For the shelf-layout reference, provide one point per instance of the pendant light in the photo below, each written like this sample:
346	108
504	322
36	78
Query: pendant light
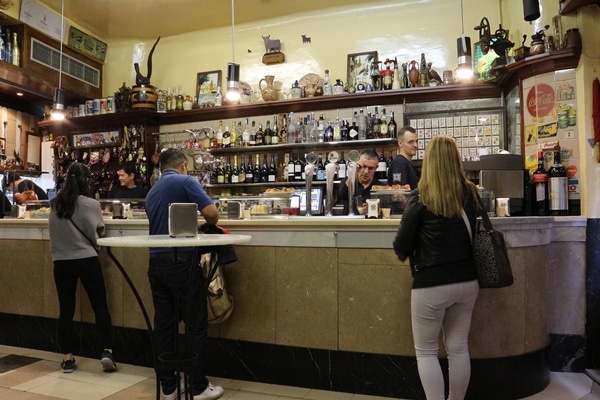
464	71
58	105
233	69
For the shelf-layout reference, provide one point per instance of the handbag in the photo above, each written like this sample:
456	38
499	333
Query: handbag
219	302
490	253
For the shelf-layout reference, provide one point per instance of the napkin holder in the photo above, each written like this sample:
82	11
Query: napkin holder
183	219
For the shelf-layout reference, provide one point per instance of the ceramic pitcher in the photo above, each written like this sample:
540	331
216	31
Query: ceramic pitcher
268	92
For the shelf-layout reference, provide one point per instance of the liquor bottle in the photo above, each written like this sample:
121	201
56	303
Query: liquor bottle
299	136
179	106
226	137
320	171
376	124
246	135
2	55
291	129
369	130
268	134
312	135
329	132
337	130
235	172
387	76
381	172
383	126
242	176
392	127
253	134
206	139
7	47
540	183
353	131
362	125
321	129
298	168
274	131
16	55
259	136
249	170
341	174
233	135
220	135
291	168
272	173
557	186
256	177
344	130
327	88
264	172
238	135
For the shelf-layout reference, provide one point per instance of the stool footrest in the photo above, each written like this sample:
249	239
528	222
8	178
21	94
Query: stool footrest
178	360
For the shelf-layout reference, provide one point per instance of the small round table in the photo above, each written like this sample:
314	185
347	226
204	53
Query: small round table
200	240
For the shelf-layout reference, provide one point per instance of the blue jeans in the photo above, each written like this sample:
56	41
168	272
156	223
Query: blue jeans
179	294
448	308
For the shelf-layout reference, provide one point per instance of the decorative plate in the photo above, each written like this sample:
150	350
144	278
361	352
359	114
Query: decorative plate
311	79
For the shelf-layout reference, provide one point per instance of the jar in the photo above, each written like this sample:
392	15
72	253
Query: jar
296	90
572	38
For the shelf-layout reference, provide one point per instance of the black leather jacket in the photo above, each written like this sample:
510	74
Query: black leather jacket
429	240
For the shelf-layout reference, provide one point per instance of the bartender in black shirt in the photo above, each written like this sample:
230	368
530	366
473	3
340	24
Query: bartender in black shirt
365	177
127	188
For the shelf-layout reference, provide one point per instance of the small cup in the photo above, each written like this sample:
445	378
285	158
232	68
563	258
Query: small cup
386	212
503	207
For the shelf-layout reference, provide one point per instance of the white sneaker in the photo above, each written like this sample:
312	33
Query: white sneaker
210	393
173	396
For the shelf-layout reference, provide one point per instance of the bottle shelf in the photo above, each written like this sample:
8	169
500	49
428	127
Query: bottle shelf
319	146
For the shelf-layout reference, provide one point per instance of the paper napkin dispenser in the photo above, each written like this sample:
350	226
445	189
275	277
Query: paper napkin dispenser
235	210
183	219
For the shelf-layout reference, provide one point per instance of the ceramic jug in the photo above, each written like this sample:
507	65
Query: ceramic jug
413	73
338	88
268	92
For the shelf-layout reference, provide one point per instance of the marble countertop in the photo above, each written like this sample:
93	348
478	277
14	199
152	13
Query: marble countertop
168	241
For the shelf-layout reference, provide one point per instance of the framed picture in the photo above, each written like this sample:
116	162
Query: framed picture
111	138
359	67
206	86
87	44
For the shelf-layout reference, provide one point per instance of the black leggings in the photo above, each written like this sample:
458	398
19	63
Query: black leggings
66	274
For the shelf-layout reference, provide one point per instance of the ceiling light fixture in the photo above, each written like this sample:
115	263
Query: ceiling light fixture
464	72
233	69
58	105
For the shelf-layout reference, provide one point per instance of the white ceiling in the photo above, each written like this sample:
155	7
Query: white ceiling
146	19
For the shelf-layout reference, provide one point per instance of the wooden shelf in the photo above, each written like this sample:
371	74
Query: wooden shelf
569	6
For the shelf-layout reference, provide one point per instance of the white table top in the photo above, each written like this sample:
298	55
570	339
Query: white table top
200	240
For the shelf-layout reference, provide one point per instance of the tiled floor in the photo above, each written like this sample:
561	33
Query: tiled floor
43	380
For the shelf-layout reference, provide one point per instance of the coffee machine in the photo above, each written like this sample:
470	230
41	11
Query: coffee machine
504	174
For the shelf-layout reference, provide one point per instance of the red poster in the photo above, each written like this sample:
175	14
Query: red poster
540	100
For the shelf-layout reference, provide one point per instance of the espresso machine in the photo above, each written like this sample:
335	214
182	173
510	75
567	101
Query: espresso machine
504	174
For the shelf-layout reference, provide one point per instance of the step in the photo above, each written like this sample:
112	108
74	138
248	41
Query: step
594	375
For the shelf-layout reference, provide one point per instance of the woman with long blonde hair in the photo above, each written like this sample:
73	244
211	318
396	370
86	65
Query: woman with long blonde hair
434	237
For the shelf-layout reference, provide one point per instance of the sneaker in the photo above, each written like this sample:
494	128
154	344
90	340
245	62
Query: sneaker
68	366
173	396
210	393
108	363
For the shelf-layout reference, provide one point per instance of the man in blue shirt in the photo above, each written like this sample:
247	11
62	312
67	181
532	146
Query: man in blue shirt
401	171
170	280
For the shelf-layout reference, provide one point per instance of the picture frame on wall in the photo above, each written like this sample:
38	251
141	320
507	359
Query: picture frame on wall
87	44
206	87
359	67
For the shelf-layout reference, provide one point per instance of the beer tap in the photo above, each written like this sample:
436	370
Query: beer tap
330	170
351	169
309	170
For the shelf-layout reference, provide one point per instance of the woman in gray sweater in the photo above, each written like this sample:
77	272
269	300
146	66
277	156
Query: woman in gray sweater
75	223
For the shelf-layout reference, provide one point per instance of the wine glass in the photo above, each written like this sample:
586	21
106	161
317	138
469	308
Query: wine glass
286	92
256	94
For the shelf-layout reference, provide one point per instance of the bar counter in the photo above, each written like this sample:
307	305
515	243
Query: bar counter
323	302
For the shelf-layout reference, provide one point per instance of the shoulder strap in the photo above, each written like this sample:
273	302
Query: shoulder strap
86	236
467	224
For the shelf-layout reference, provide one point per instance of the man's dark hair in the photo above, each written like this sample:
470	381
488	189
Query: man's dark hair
369	154
128	167
171	159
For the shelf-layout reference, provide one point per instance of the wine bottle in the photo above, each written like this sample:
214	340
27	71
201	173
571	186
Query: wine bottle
220	135
235	172
272	174
291	169
242	177
540	183
220	175
341	174
557	186
249	170
264	172
227	171
298	170
381	172
274	131
256	177
392	127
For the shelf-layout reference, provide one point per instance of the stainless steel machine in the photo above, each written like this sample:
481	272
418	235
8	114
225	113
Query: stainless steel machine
504	174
